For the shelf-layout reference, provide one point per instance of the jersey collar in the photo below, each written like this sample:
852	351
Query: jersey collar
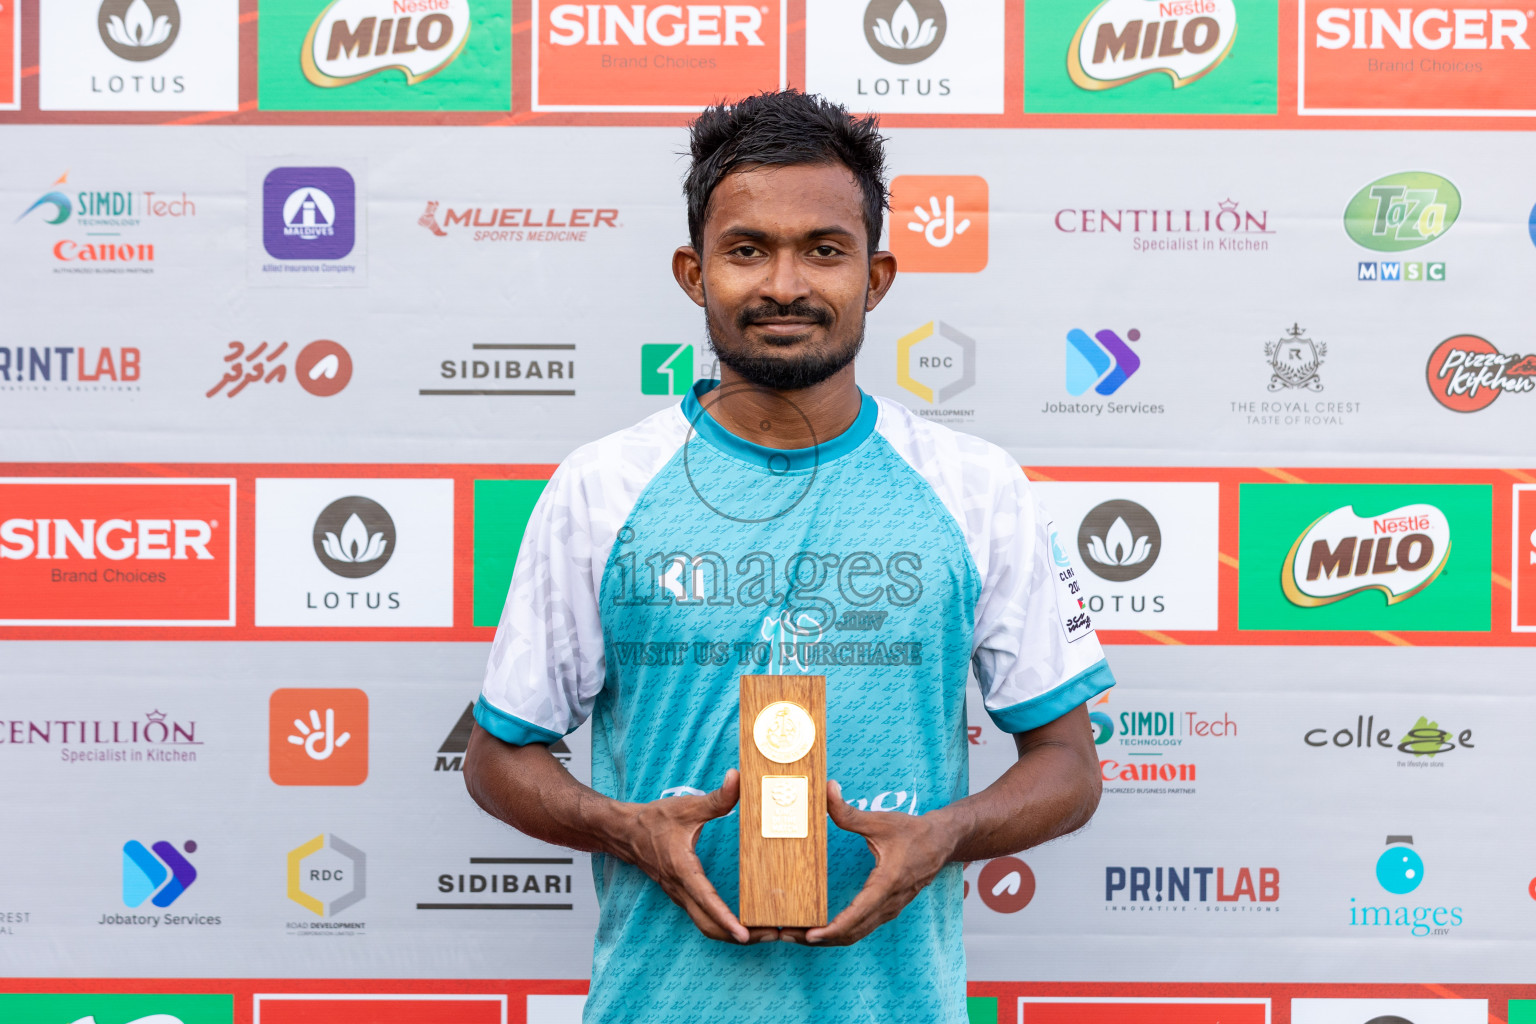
777	460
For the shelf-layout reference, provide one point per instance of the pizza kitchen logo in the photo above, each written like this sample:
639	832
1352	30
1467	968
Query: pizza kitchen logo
1468	373
1398	553
1123	40
355	39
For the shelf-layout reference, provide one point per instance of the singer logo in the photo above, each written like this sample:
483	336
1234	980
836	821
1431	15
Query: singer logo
939	223
110	552
1450	57
664	57
318	737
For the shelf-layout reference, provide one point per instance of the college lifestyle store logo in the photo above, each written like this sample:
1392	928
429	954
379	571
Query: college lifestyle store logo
1423	740
936	362
1400	871
1179	889
107	741
353	39
140	55
95	217
1005	885
326	875
323	367
655	57
1415	57
1468	373
1398	213
317	737
1119	42
160	877
939	223
104	551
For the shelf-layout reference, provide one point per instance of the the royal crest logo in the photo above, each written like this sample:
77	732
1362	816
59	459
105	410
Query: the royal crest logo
1123	40
1295	360
1398	553
355	39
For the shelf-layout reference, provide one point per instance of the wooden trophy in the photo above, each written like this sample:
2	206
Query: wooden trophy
783	801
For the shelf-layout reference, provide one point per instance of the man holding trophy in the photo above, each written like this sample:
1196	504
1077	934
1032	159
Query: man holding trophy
780	582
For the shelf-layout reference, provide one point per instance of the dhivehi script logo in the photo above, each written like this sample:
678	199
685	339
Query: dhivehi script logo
353	39
1398	553
1123	40
1402	211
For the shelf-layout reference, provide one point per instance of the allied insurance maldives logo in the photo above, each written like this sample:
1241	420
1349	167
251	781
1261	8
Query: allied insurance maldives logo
1364	556
116	552
385	55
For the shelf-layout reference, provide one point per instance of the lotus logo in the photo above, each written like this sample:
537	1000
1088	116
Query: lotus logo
354	537
1402	211
903	33
1343	553
139	30
1119	541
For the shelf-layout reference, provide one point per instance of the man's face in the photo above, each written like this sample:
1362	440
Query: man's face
785	275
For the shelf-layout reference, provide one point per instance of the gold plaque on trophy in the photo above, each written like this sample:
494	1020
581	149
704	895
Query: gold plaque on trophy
783	801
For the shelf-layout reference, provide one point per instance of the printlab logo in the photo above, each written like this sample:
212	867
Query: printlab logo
939	223
354	537
1119	541
1006	885
450	756
1252	889
1398	213
160	876
318	737
1400	872
1103	362
343	47
1468	373
322	367
1117	43
138	30
309	213
1295	360
326	875
69	368
904	33
666	369
936	362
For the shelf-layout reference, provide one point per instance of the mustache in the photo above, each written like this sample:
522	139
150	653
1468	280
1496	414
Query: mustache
800	309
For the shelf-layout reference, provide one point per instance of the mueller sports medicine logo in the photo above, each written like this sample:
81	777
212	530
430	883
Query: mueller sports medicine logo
157	738
105	551
1176	890
1123	40
1225	228
939	223
677	57
354	39
516	223
1416	57
1468	373
139	30
1398	553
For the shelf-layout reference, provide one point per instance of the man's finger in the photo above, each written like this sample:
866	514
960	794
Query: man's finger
843	814
859	917
718	803
702	921
696	884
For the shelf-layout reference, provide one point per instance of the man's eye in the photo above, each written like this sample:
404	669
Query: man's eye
825	250
745	250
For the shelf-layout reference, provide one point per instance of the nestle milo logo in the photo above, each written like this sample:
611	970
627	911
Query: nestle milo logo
1402	211
1123	40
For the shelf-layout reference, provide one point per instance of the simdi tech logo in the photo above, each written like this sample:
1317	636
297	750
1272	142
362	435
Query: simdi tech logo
939	223
1416	57
317	737
1151	56
101	230
385	55
132	55
655	57
108	551
117	1008
1365	556
1398	213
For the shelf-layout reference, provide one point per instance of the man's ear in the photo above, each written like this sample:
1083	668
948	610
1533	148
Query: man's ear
882	274
689	271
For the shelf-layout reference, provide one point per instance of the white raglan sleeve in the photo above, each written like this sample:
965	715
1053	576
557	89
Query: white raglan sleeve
546	666
1035	653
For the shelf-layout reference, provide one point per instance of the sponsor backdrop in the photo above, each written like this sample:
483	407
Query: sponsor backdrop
305	299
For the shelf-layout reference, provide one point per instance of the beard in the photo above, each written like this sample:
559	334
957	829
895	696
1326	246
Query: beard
790	371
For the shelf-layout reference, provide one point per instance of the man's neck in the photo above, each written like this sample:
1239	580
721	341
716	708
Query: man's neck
785	419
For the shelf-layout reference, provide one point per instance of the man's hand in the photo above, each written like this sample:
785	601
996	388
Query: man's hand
909	851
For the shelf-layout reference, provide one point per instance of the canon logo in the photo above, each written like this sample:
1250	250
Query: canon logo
1434	28
114	539
662	24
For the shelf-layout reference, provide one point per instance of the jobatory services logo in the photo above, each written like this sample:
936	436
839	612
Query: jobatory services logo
485	223
666	369
1399	871
1185	889
1398	213
1455	59
326	876
505	883
102	231
385	55
1365	556
1005	885
1101	362
1226	227
908	56
317	737
1523	558
1422	744
322	368
655	57
939	223
160	876
132	55
1468	373
118	1008
450	756
155	737
1394	1011
354	552
936	362
1151	56
10	54
106	551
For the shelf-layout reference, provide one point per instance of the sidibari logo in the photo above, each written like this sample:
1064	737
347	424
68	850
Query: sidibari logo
1119	541
354	537
160	877
1402	211
1103	362
356	39
1123	40
138	30
1342	553
1467	373
903	32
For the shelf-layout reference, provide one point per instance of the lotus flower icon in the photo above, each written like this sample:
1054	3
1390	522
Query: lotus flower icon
356	543
354	537
139	27
1120	540
1118	546
905	31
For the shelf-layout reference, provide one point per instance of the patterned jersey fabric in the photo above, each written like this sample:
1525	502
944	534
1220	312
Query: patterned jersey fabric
665	561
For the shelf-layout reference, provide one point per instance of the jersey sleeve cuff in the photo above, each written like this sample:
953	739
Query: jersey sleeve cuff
1051	705
510	728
